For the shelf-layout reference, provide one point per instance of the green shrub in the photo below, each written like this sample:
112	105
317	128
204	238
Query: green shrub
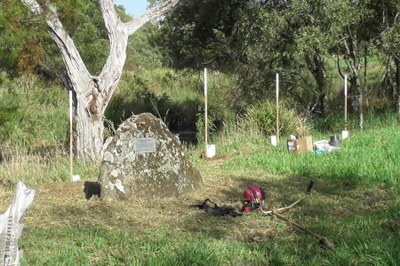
263	115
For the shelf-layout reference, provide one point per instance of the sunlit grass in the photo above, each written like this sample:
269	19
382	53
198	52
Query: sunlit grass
366	157
354	204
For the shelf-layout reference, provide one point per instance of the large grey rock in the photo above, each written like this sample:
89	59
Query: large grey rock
144	159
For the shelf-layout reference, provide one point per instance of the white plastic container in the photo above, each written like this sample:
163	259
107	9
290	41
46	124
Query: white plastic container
211	150
345	134
76	178
274	140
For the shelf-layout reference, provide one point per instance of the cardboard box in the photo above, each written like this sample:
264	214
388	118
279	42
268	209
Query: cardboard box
305	144
292	145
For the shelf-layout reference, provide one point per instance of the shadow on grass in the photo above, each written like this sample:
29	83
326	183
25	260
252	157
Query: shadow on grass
362	222
340	211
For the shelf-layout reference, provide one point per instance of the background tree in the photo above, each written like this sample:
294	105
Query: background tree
199	33
231	36
359	28
93	92
389	48
22	40
256	39
314	40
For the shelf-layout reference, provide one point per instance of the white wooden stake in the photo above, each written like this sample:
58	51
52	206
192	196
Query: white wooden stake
345	102
70	134
345	133
277	107
205	111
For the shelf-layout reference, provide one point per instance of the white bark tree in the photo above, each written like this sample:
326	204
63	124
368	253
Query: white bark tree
93	93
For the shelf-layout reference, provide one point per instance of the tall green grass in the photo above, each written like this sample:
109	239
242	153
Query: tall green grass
335	122
37	169
32	115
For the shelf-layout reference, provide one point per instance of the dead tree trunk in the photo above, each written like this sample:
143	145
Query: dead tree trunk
352	58
93	93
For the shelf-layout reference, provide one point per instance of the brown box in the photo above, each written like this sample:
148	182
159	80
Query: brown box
305	144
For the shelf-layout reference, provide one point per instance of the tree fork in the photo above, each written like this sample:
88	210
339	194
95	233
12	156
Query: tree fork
94	93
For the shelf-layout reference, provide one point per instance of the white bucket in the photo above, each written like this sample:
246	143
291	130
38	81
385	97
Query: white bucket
274	140
345	134
76	178
211	150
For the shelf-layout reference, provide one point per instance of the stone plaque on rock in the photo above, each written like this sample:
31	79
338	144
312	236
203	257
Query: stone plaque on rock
145	159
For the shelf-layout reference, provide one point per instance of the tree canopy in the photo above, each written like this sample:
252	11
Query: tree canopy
255	39
307	42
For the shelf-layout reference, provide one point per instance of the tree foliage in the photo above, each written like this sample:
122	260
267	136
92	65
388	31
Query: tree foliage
21	39
252	39
84	22
26	47
256	39
198	33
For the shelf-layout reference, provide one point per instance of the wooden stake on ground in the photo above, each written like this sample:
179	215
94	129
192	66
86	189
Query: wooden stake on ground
277	108
345	102
205	111
70	135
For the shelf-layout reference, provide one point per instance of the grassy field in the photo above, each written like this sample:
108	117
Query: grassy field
354	204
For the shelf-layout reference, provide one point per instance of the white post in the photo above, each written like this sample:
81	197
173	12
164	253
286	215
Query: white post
70	134
277	107
345	133
345	102
205	111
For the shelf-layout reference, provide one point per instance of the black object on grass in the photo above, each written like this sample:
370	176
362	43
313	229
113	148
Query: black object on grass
213	209
91	189
310	186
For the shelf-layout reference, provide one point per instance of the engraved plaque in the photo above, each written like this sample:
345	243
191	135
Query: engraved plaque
145	145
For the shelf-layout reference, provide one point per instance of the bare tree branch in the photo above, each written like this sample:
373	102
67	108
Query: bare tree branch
33	6
150	14
118	34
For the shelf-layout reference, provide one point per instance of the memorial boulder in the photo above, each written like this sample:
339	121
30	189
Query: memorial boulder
144	159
